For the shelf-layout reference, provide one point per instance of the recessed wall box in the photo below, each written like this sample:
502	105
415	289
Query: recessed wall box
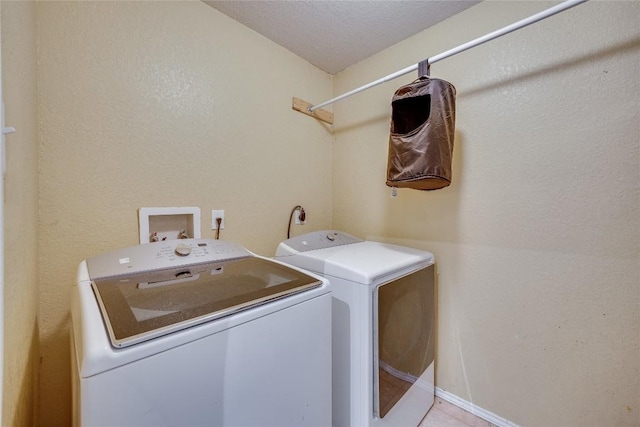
168	223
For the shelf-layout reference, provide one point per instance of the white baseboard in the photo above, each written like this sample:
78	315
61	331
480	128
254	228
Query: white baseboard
475	410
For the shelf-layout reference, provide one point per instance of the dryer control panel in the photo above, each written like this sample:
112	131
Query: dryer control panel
315	240
163	255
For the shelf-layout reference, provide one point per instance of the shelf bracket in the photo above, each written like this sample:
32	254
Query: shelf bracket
304	108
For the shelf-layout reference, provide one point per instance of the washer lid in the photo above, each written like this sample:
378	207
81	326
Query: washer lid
364	262
147	305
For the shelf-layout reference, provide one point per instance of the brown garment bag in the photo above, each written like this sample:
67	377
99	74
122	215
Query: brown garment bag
422	130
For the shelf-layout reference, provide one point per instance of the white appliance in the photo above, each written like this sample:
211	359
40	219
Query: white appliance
199	332
383	325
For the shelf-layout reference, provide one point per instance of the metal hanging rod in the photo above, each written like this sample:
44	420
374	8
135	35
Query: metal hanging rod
473	43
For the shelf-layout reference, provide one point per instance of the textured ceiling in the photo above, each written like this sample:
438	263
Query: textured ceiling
334	34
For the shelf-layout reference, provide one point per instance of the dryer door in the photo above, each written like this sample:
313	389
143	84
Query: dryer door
404	341
143	306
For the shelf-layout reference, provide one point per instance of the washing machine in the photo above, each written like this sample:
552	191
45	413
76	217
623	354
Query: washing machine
383	325
199	332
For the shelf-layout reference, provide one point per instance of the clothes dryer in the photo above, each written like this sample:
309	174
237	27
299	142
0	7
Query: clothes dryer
199	332
383	325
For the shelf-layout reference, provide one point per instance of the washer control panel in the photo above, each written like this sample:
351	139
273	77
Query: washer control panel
318	240
163	255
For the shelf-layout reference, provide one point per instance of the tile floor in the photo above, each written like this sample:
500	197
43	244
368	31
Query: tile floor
444	414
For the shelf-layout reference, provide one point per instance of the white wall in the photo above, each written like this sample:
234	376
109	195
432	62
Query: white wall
537	240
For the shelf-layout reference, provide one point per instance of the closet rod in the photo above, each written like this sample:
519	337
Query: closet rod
473	43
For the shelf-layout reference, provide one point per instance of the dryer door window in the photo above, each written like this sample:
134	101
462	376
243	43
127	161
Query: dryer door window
403	317
144	306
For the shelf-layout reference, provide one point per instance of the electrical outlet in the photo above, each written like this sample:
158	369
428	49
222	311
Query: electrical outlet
217	214
296	216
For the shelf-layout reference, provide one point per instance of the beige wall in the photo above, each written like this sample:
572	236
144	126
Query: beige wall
537	239
20	214
163	104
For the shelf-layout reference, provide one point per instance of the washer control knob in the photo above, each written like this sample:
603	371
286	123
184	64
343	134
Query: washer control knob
331	237
183	250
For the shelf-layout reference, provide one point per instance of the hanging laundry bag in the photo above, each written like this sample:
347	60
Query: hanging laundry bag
422	130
